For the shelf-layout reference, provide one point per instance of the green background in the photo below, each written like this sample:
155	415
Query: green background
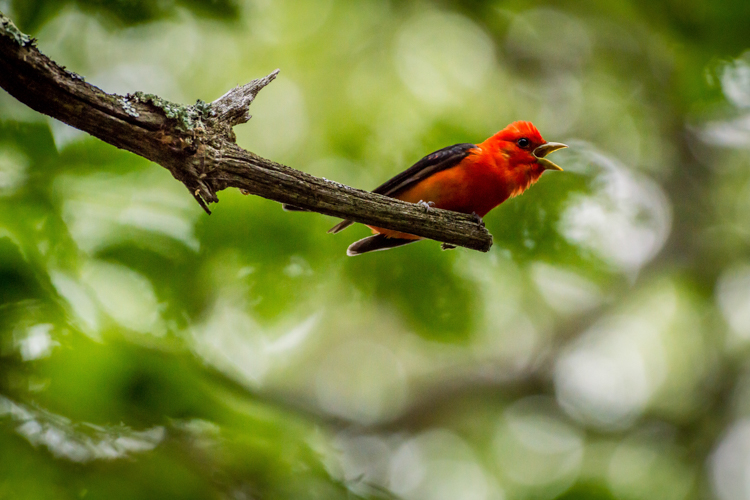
600	350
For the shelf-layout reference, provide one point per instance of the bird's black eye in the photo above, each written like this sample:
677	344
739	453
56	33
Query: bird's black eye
523	143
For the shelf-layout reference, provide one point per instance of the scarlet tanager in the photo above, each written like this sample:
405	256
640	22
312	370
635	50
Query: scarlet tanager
468	178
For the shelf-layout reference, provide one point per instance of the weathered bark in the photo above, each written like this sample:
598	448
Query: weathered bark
197	145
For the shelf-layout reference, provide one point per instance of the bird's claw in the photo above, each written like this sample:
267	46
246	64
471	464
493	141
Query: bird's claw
447	246
478	219
427	205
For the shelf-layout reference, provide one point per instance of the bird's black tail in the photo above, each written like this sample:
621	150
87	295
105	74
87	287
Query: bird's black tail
335	229
374	243
292	208
340	226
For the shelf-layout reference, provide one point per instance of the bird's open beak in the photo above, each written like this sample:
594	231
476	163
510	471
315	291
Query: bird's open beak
545	149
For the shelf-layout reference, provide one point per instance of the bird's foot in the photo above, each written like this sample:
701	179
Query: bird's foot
447	246
427	205
478	219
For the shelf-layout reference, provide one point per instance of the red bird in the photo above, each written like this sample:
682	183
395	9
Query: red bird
468	178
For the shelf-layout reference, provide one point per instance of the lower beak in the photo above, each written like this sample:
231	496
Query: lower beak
545	149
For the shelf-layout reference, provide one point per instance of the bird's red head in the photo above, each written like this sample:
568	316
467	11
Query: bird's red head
522	146
519	130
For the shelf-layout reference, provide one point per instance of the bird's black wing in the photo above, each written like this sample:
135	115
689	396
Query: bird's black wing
442	159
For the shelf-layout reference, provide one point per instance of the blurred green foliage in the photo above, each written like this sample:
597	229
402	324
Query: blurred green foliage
30	15
598	351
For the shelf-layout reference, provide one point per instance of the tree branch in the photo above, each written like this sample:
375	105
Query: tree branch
197	145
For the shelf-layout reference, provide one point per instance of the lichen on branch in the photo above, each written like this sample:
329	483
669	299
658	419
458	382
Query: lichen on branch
9	29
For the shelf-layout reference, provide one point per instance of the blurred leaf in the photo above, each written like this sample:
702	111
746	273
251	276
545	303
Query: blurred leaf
280	254
527	226
17	276
419	282
587	491
30	15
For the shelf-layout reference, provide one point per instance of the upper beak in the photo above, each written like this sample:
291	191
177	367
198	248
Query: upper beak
545	149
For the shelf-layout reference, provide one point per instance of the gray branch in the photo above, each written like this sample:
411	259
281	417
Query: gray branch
233	106
197	145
